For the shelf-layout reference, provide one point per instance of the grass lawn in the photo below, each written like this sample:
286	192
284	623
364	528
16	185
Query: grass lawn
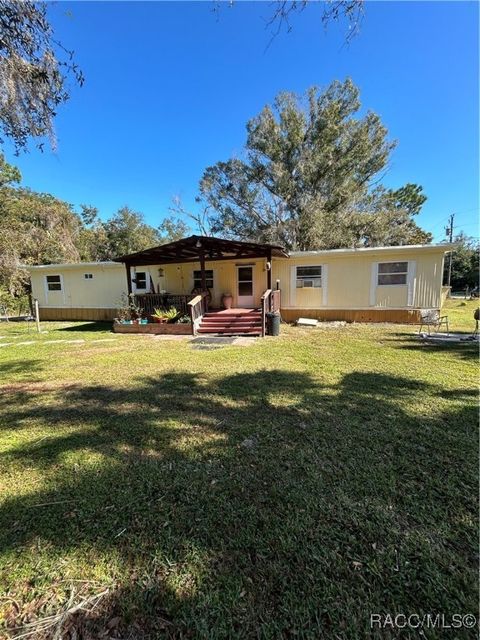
287	489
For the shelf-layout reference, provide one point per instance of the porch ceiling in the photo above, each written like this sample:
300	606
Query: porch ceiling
193	248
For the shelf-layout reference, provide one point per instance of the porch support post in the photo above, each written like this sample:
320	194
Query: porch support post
129	278
269	273
202	270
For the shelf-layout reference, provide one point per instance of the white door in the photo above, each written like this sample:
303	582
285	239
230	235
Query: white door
245	287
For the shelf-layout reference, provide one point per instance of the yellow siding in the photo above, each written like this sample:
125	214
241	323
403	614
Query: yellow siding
391	296
428	287
348	281
103	291
179	278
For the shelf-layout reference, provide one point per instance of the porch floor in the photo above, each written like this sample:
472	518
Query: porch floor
233	311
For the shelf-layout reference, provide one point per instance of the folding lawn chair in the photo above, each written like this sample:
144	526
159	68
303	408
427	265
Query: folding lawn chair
431	318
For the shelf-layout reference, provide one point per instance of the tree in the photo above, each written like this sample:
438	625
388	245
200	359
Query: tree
8	173
283	11
35	228
465	263
127	232
172	228
308	178
34	68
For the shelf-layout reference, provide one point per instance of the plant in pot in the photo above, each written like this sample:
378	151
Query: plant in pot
124	311
165	315
227	300
172	315
159	316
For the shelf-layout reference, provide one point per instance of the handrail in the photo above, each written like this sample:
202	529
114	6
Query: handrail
265	300
197	307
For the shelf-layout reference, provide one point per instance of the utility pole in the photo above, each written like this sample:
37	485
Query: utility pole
449	234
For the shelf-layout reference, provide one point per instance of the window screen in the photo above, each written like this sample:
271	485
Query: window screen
54	283
309	277
392	273
197	279
141	280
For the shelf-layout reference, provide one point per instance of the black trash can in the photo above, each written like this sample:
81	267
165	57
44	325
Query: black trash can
273	323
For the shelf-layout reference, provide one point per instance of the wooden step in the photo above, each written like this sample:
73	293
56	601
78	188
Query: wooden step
231	332
232	316
226	323
232	322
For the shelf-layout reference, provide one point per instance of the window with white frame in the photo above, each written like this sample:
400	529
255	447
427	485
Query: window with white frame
392	273
197	278
309	277
88	276
54	283
140	280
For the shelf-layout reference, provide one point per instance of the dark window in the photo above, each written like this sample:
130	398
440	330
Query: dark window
245	288
88	276
309	277
197	279
141	280
392	273
54	283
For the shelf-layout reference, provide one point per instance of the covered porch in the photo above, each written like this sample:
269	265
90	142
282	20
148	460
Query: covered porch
196	273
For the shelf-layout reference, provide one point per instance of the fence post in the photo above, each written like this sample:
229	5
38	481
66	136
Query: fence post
37	315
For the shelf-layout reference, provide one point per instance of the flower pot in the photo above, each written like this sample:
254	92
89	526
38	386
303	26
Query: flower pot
227	300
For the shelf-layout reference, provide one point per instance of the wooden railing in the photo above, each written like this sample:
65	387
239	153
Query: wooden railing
197	307
270	304
151	301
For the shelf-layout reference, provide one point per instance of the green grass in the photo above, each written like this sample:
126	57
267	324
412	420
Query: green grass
287	489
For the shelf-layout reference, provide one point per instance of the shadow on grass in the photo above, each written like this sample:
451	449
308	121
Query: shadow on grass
15	367
89	326
467	350
257	505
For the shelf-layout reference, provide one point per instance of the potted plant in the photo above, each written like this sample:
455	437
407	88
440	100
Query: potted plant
128	312
165	315
227	300
172	315
158	316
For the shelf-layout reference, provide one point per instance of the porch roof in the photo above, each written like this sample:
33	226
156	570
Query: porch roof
194	248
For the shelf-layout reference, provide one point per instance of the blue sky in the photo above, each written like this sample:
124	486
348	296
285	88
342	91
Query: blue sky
169	88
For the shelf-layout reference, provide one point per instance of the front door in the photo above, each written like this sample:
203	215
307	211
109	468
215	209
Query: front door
245	287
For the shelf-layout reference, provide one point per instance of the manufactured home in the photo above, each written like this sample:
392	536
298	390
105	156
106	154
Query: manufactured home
380	284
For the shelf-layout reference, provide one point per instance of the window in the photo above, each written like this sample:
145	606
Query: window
140	280
88	276
392	273
309	277
197	279
54	283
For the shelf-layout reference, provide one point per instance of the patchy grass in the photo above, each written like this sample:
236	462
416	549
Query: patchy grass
288	489
460	314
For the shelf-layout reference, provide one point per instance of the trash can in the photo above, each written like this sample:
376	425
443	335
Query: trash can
273	323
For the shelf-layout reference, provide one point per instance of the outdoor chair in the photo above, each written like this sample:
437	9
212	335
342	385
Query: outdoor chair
431	318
